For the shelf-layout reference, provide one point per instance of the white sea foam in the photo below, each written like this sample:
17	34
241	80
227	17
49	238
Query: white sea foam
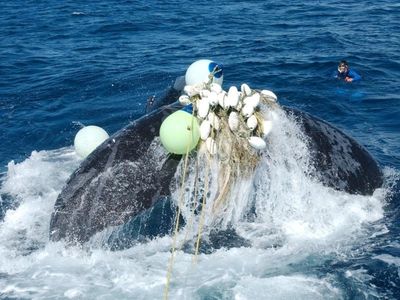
296	218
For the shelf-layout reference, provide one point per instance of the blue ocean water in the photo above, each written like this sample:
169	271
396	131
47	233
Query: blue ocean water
68	63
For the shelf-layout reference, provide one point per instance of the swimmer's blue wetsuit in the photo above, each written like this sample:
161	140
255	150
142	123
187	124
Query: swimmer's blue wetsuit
351	73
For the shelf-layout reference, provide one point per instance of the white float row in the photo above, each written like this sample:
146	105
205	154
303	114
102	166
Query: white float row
181	131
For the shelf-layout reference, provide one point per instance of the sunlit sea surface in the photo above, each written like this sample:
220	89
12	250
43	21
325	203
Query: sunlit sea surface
64	64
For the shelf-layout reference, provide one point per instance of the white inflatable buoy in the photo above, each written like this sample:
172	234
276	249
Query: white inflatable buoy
199	71
89	138
252	122
233	121
184	100
205	129
246	90
233	96
270	95
253	100
203	107
257	142
247	110
213	98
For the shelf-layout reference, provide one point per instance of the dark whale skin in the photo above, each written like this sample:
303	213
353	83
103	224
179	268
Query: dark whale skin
126	175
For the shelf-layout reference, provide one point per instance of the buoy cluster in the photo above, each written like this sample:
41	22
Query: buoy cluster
231	125
208	110
240	108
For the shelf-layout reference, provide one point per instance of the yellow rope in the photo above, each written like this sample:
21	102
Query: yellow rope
171	261
178	213
238	161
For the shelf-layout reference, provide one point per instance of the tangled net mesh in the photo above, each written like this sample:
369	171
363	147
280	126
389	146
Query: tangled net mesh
234	158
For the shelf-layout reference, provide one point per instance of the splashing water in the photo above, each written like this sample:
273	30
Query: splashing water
287	200
294	225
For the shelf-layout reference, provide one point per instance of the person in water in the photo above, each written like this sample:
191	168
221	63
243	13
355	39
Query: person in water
345	73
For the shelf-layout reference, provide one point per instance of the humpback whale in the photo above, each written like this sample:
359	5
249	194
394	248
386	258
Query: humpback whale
131	173
340	162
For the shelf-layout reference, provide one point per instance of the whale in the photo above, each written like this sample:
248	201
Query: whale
122	177
126	181
339	160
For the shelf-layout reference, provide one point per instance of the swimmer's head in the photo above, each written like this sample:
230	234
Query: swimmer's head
343	67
